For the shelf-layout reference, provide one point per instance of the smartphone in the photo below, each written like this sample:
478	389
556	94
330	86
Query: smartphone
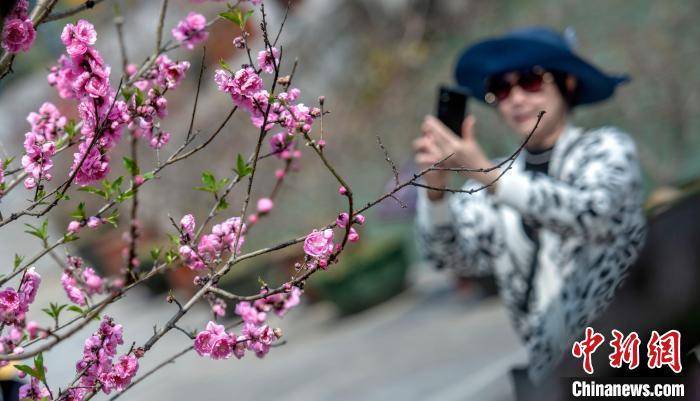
452	107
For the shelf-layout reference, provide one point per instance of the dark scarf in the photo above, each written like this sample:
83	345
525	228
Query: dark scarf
538	163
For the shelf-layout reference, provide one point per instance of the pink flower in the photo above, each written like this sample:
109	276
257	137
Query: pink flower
249	313
268	60
239	42
265	205
210	245
122	373
219	308
93	282
48	122
94	168
252	219
94	222
221	347
78	38
203	343
37	159
353	236
360	219
319	244
342	190
242	86
239	347
191	30
70	285
214	342
260	338
169	74
10	304
18	35
191	259
33	390
30	285
188	224
73	227
94	83
342	220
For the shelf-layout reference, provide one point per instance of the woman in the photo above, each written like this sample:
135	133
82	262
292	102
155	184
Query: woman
560	228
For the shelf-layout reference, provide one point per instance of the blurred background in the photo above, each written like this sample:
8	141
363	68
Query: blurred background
381	324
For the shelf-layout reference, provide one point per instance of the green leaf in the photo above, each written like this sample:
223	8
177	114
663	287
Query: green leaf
222	205
54	310
117	184
140	97
174	239
7	162
127	94
113	219
39	232
171	256
208	179
131	166
236	16
18	260
26	369
126	195
225	66
39	366
94	190
79	213
148	176
71	129
155	253
75	308
209	182
242	168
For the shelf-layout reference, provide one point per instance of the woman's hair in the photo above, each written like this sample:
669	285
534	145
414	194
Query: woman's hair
568	95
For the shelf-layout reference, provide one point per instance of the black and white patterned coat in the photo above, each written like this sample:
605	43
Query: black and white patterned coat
590	230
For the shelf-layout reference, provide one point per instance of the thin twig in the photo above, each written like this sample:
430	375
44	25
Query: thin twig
87	5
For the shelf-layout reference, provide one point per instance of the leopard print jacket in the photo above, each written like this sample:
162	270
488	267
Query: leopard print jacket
591	227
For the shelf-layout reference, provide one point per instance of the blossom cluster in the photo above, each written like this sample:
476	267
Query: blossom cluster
34	390
319	246
18	32
14	305
191	31
212	246
148	103
256	336
40	143
80	281
83	75
99	365
247	91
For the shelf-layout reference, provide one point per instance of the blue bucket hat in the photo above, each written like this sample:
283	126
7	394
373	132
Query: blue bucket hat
526	48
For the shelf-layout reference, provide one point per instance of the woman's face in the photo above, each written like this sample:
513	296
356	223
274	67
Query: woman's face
520	109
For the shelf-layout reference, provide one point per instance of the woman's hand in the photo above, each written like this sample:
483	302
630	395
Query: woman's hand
438	142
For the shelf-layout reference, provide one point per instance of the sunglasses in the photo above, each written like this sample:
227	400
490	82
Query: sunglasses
498	88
